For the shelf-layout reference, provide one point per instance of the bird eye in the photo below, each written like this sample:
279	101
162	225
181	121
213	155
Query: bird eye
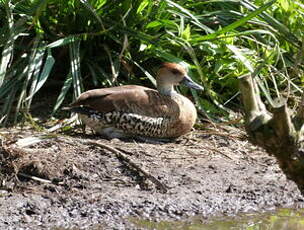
175	71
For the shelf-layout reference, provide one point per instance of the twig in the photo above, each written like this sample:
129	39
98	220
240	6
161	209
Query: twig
218	151
34	178
215	133
125	158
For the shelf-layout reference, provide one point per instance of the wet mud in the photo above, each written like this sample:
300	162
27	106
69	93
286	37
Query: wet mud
66	182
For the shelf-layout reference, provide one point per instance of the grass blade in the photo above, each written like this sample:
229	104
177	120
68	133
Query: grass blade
7	87
236	24
63	41
8	106
34	75
99	76
65	88
31	140
182	9
7	52
148	75
48	65
114	65
93	11
75	67
239	55
274	23
31	72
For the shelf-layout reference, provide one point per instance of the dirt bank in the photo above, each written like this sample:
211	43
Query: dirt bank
207	173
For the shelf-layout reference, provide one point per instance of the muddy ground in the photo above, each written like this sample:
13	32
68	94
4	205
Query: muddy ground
79	185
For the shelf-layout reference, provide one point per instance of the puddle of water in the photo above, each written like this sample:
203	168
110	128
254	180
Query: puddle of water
282	219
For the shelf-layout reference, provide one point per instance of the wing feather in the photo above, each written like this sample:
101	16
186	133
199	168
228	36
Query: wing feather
129	98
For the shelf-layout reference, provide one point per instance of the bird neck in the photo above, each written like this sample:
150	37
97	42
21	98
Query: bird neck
166	89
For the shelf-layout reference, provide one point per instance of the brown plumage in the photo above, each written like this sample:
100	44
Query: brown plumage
132	110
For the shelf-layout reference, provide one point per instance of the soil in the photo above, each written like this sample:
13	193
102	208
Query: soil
67	182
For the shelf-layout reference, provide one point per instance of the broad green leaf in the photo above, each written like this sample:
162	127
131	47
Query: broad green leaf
187	33
284	4
154	24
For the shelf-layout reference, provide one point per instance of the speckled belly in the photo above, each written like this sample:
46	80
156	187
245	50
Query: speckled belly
119	123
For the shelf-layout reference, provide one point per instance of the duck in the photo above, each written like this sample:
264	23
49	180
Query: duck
130	111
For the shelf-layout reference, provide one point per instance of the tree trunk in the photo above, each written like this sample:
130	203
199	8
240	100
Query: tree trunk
276	130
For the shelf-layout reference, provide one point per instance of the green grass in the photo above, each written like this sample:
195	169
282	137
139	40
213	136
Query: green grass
101	43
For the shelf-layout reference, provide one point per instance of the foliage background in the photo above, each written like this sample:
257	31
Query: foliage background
99	43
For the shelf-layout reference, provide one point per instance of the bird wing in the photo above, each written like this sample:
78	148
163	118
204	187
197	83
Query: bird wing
128	98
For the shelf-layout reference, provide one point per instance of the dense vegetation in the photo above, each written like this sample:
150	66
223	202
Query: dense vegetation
85	44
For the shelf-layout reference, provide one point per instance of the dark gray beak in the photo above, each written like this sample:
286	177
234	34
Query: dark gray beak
187	81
